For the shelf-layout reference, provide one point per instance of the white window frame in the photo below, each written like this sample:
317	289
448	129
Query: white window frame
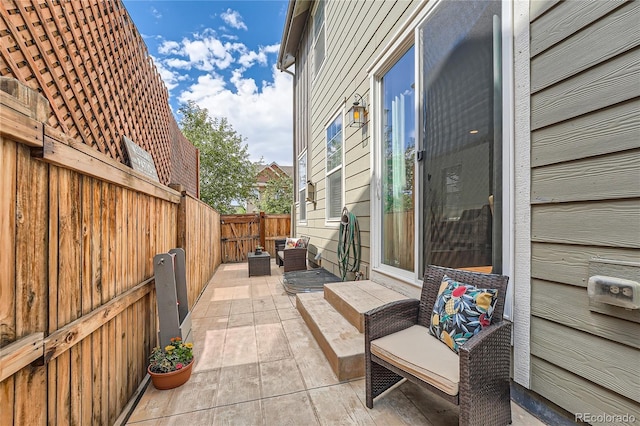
322	31
302	188
329	221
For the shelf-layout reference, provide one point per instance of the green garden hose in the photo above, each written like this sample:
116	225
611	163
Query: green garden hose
348	244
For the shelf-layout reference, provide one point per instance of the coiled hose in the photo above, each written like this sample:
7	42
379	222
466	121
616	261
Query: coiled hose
348	244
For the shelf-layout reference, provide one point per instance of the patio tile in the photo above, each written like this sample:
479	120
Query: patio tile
201	417
288	313
280	377
218	308
272	342
339	404
263	304
293	409
392	408
241	306
199	393
240	346
221	293
241	414
283	302
436	410
239	383
260	290
153	404
208	351
266	317
242	292
201	325
240	320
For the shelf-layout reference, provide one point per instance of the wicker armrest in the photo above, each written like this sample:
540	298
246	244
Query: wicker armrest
486	356
390	318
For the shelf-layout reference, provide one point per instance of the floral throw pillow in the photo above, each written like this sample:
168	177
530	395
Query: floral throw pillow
302	242
291	243
461	311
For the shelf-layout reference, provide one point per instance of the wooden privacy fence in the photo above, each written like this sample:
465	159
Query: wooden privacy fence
241	233
78	233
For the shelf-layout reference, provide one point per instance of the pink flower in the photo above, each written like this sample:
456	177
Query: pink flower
178	366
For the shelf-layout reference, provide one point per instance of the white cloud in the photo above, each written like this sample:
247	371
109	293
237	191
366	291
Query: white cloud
156	13
171	78
169	47
233	18
261	115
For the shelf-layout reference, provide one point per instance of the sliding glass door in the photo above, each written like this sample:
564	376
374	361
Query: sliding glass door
460	71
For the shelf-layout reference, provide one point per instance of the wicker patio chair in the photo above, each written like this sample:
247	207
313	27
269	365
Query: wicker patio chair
293	259
483	362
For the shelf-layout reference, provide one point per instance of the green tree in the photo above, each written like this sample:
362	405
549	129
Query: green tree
226	174
277	196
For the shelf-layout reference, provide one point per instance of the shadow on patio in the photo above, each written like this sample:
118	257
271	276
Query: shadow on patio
258	364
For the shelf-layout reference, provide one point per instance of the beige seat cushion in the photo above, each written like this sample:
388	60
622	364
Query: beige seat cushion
421	354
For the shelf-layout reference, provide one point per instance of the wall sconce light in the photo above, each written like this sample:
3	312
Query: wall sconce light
356	116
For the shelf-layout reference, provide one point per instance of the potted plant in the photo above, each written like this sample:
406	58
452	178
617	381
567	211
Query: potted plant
171	367
258	249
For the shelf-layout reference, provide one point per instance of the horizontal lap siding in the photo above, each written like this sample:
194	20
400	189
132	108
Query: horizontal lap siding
343	74
585	197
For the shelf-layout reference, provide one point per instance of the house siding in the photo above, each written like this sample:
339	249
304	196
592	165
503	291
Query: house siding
350	49
585	199
582	169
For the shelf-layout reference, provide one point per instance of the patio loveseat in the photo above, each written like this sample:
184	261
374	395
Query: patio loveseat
399	344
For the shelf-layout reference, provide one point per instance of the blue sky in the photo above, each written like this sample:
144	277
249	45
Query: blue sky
222	55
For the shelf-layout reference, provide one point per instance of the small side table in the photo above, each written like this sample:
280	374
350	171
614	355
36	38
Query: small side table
259	264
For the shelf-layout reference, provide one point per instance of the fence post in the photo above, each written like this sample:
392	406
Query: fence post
263	225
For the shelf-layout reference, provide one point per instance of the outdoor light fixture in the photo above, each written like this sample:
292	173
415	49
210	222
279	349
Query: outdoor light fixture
356	114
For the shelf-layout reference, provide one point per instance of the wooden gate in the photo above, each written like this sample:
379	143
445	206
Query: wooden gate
241	233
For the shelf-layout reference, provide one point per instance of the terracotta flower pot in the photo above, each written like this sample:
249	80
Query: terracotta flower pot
173	379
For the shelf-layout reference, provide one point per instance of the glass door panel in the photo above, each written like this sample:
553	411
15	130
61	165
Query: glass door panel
398	159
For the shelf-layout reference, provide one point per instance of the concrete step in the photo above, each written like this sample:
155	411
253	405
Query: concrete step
341	342
353	298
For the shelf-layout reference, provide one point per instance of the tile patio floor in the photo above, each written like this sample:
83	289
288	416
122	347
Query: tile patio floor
258	364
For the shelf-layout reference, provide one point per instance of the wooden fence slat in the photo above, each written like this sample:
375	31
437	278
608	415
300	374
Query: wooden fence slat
8	179
64	338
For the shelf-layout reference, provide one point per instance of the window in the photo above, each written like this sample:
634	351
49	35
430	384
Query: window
334	169
318	38
302	186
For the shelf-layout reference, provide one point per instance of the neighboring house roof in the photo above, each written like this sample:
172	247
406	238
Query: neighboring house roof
293	29
266	172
